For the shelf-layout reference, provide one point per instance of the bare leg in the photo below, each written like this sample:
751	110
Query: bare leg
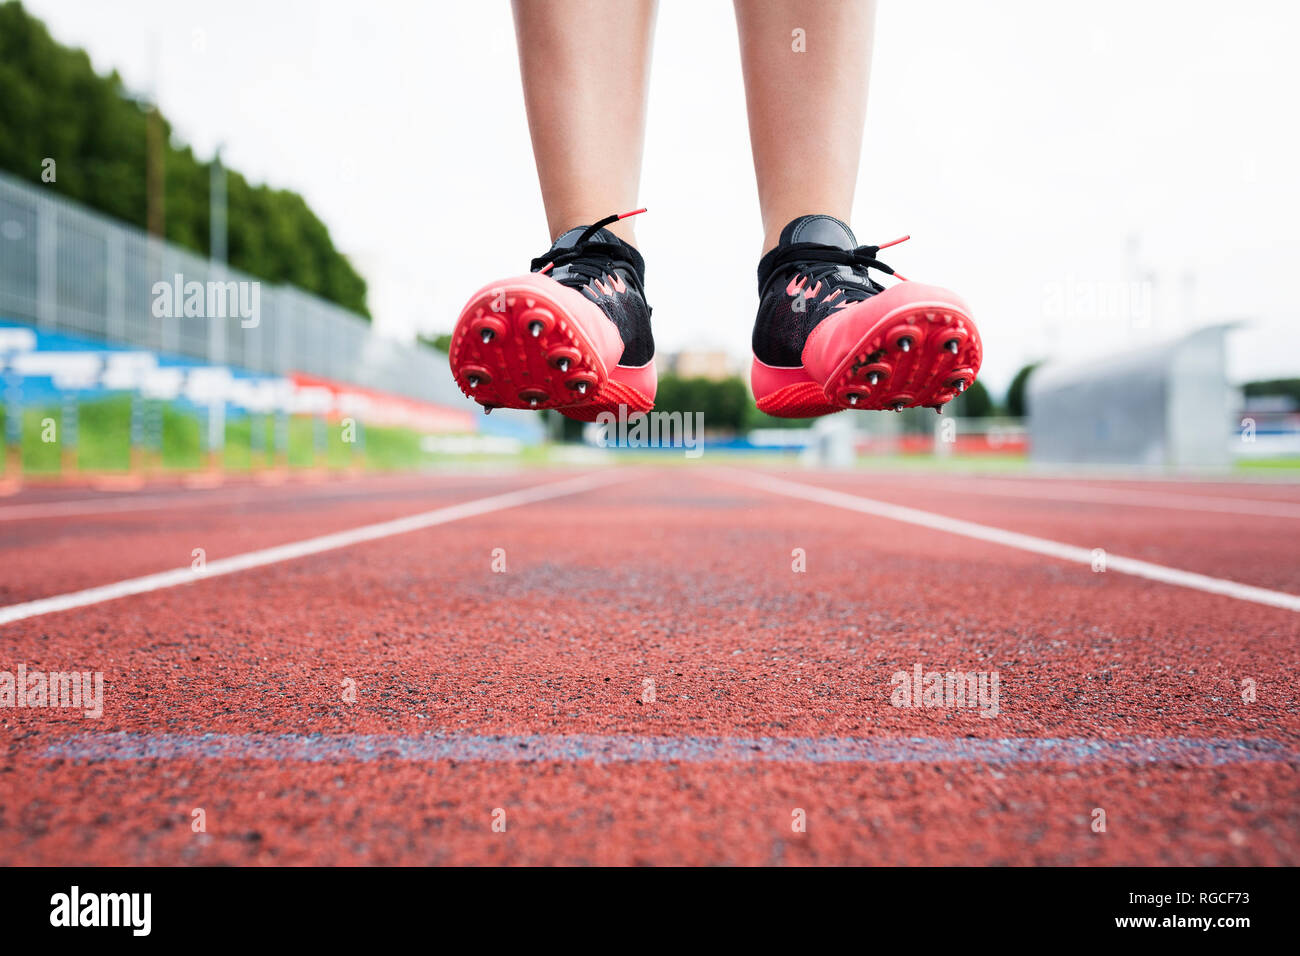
806	109
585	67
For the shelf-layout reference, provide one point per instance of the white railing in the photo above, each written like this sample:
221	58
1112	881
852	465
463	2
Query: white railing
67	269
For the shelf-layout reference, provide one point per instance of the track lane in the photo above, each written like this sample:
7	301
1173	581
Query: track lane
69	552
688	582
1255	549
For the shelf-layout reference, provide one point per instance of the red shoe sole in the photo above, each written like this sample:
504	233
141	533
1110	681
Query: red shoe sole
797	400
530	342
615	393
918	343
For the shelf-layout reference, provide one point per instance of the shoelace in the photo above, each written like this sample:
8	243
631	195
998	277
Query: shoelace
586	259
817	262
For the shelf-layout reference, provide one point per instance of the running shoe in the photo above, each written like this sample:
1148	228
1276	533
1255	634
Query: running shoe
573	334
829	337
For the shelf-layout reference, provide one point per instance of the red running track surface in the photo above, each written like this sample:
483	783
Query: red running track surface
526	691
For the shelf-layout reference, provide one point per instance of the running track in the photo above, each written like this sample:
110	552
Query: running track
526	691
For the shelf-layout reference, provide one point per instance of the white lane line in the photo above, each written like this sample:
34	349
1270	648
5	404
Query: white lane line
1013	539
1155	475
1174	500
194	498
309	546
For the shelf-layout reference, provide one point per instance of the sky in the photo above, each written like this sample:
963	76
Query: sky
1089	177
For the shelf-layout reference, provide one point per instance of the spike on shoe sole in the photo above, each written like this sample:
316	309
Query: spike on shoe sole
912	344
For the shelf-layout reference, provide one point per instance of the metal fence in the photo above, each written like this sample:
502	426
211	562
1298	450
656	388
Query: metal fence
67	269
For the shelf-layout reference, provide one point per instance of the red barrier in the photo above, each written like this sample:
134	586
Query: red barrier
381	408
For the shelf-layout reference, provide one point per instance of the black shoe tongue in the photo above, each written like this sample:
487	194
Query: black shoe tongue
826	230
570	238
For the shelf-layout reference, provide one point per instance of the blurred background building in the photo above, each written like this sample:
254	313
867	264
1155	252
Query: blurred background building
715	365
1167	405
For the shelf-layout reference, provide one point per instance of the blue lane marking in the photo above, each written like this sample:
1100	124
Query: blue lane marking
585	748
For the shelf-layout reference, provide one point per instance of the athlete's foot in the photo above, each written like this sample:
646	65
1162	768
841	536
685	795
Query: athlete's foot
828	337
573	335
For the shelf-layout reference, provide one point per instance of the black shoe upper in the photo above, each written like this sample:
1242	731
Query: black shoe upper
611	273
816	269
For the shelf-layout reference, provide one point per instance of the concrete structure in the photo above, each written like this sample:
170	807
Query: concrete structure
832	443
1165	405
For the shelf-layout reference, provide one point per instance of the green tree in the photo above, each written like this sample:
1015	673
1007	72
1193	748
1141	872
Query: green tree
53	105
1289	387
441	342
724	402
975	402
1016	404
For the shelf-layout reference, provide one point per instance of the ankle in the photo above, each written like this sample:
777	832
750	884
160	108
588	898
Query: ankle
773	224
622	228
